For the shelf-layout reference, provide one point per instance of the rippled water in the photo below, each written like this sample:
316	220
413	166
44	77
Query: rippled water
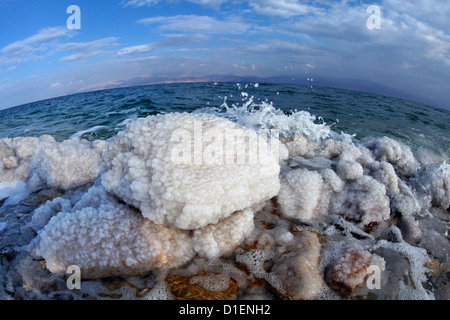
101	114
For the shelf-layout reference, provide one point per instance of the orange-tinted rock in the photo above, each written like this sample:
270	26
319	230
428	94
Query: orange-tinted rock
182	289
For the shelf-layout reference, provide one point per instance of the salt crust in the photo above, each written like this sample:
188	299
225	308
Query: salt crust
105	237
333	177
142	171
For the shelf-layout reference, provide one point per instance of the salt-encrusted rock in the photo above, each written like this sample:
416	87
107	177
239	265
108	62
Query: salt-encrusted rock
410	229
332	181
5	149
297	268
384	173
111	239
16	156
329	148
10	162
300	193
66	165
363	202
396	153
439	182
190	170
347	167
105	238
45	163
298	146
222	238
349	270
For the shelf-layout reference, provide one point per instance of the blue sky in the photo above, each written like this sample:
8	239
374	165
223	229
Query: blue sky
127	42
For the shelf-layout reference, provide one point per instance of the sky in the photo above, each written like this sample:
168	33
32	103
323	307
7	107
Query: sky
405	45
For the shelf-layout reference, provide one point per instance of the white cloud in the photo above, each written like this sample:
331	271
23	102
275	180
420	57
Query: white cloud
198	24
56	85
31	47
283	8
133	50
215	4
209	3
173	40
48	41
84	50
139	3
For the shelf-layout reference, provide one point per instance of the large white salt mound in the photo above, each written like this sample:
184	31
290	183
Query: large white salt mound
190	170
300	194
110	239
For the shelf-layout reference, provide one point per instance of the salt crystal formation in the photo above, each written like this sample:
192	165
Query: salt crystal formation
45	163
349	271
216	201
196	195
190	192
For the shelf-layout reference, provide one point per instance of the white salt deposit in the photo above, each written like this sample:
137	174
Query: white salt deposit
175	192
299	194
162	165
111	239
222	238
44	163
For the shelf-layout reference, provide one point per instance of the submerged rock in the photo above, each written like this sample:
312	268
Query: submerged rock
297	268
350	270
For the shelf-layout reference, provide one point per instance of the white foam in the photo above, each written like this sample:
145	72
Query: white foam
417	258
79	134
264	116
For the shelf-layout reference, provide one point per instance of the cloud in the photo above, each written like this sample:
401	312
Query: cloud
198	24
215	4
49	41
56	85
283	8
139	3
31	47
89	49
173	40
406	35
